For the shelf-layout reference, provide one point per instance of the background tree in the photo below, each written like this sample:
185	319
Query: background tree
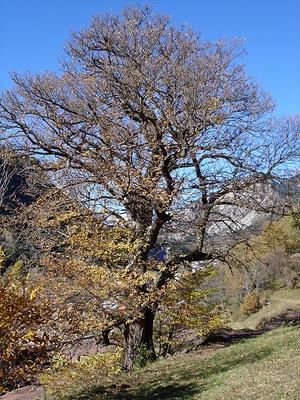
144	120
21	184
7	171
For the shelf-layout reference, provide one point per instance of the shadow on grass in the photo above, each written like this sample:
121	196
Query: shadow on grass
169	392
183	380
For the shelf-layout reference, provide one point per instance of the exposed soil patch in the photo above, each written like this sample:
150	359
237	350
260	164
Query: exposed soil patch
26	393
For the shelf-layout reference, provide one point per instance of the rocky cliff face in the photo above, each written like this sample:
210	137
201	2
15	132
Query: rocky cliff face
248	210
234	216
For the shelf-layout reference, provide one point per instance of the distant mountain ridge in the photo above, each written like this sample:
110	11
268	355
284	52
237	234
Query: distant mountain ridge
235	214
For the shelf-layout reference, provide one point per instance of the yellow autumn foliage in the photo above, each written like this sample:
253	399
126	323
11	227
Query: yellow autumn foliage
251	304
23	342
187	305
68	378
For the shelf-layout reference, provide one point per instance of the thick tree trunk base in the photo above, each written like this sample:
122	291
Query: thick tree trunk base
133	338
139	340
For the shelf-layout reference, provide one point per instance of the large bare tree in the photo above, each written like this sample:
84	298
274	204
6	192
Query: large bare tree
145	120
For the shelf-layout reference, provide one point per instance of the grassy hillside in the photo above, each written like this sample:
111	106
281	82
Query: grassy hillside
279	302
266	367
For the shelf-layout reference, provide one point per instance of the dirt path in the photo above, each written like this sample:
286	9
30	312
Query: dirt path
227	336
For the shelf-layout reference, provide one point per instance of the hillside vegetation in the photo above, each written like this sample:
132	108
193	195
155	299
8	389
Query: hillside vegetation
279	303
266	367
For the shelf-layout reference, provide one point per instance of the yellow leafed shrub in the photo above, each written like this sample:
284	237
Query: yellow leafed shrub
251	304
23	344
67	378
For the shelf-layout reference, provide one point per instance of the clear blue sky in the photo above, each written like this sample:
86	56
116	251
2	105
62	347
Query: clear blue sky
33	32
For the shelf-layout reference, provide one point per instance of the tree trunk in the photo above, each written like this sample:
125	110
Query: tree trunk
147	337
133	339
105	337
139	340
